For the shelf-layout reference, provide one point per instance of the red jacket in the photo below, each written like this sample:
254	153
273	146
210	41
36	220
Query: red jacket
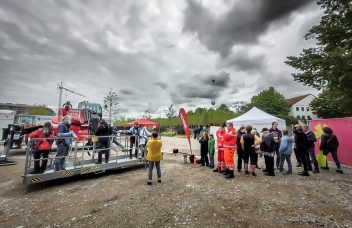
43	144
230	138
220	137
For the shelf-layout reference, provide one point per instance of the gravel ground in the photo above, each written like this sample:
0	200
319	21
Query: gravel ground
188	196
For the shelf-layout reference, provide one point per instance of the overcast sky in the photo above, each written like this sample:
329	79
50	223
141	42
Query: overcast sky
153	53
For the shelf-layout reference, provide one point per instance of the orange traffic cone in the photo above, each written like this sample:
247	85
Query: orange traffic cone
195	162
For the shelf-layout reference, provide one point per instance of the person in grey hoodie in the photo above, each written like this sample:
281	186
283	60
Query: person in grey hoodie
286	151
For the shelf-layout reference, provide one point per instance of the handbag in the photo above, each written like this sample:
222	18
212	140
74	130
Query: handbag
321	158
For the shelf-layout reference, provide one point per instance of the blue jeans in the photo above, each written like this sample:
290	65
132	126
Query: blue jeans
286	157
150	171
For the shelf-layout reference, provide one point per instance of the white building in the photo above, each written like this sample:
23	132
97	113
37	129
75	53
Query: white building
6	117
300	107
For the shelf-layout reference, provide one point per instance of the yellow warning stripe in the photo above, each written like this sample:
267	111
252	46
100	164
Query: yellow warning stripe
36	180
67	174
85	170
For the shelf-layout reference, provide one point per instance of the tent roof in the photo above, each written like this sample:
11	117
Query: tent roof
144	122
255	115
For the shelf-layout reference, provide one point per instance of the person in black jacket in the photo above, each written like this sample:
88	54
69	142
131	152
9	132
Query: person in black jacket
240	132
277	134
311	149
301	141
268	147
104	131
204	149
329	144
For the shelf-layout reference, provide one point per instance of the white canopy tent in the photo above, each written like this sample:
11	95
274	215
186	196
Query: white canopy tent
257	119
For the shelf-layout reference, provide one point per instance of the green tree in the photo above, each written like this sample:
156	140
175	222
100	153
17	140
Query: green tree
271	102
328	65
147	114
40	110
110	103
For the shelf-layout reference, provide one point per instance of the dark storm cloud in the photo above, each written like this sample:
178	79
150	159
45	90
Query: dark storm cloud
243	24
243	61
201	86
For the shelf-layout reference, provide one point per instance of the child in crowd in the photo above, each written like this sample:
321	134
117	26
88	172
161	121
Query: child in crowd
211	149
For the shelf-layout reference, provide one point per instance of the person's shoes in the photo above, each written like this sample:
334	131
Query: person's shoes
288	173
35	172
339	171
281	170
226	172
230	174
310	169
316	171
299	165
247	173
202	165
159	181
305	174
265	170
215	170
98	163
277	167
149	183
325	168
239	170
254	174
270	174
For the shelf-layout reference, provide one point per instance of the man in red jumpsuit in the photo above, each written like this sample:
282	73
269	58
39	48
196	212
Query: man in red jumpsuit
221	161
230	139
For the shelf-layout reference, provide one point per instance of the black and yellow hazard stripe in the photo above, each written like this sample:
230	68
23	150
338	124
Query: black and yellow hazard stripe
85	170
66	174
36	180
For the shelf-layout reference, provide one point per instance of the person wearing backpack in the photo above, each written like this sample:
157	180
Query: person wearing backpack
104	131
42	146
329	144
268	147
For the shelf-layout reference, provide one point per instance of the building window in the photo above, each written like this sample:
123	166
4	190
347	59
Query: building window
303	117
297	109
298	117
307	109
302	108
309	118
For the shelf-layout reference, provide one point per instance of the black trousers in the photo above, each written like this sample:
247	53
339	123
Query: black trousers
40	168
277	152
297	156
302	154
134	141
103	147
239	157
204	157
269	164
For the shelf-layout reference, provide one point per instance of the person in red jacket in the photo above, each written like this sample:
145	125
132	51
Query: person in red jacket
230	139
43	140
221	162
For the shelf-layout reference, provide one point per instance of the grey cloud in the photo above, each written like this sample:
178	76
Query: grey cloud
243	24
162	85
243	61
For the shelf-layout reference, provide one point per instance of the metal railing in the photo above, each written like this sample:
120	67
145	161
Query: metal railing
82	153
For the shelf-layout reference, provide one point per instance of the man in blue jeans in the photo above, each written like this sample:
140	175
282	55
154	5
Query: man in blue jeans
286	151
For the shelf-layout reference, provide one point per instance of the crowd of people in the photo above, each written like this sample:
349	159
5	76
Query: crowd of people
249	145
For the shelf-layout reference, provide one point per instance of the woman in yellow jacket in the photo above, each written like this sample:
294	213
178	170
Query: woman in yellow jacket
154	157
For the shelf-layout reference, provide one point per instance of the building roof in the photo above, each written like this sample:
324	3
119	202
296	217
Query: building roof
294	100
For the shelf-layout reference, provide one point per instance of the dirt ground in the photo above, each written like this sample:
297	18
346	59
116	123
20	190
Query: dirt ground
188	196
